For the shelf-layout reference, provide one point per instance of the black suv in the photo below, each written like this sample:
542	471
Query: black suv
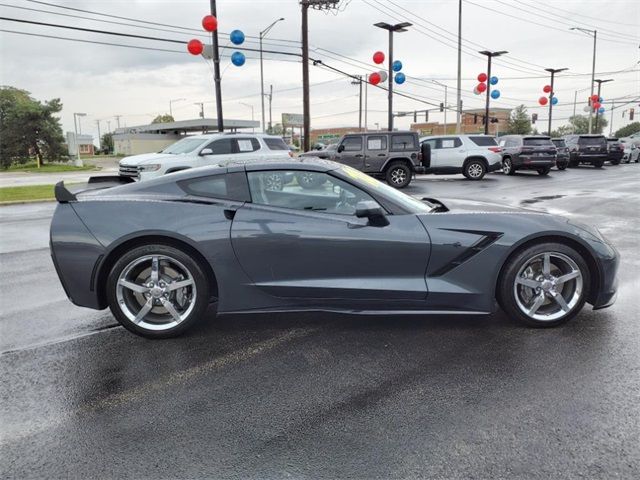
562	160
394	156
527	152
616	151
587	149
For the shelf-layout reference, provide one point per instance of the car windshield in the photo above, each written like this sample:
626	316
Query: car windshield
374	186
186	145
591	141
537	142
559	143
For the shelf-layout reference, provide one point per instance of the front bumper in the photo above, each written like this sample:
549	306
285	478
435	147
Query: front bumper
608	291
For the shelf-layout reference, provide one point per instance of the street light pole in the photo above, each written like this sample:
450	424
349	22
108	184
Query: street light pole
600	82
593	68
173	101
263	33
553	71
489	56
78	160
398	27
251	107
459	83
445	103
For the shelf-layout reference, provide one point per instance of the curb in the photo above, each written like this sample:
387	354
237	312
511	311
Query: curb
22	202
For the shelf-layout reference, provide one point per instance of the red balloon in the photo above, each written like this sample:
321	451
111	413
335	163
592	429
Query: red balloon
210	23
482	87
543	100
195	47
482	78
374	79
546	89
594	98
378	57
596	105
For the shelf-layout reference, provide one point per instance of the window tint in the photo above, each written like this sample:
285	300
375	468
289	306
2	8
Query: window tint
280	188
537	142
244	145
592	141
352	144
452	142
431	142
484	141
231	186
377	142
559	143
403	142
220	147
276	144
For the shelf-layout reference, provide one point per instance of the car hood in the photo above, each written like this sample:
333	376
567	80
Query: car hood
147	158
458	205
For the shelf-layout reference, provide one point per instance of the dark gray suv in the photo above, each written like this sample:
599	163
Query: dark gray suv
527	152
394	156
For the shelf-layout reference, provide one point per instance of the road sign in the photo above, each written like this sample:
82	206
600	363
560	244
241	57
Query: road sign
292	119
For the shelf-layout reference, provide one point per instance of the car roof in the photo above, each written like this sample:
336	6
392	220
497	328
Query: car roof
303	163
209	136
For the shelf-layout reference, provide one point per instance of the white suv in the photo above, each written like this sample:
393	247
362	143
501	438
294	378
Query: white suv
201	150
471	155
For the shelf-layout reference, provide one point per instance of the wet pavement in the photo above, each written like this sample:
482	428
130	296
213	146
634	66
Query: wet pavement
327	396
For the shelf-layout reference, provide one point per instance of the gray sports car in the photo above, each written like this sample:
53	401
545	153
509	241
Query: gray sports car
158	253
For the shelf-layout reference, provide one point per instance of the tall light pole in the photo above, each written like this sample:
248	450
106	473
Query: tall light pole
552	94
600	82
251	107
445	103
459	83
78	160
489	56
398	27
358	81
171	102
263	34
593	68
216	69
99	138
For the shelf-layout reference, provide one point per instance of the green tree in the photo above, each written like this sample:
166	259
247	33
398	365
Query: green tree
519	121
166	118
29	128
106	142
561	131
580	124
628	130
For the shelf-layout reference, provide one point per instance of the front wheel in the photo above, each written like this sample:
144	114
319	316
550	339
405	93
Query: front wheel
544	285
475	170
398	175
615	162
157	291
562	166
598	164
544	171
507	167
309	180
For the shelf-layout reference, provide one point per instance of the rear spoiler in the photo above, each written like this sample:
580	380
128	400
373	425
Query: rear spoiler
64	195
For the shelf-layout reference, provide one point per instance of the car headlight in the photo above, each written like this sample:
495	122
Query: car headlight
151	167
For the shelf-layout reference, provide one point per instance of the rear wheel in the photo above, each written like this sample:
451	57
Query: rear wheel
598	163
309	180
474	170
157	291
398	175
615	162
544	171
507	166
544	285
562	166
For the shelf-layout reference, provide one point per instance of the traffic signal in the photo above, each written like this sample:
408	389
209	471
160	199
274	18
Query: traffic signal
441	107
426	116
415	117
534	117
631	112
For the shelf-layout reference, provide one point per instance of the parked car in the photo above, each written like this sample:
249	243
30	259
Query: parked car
471	155
562	158
158	253
590	149
394	156
328	152
616	151
631	151
201	150
527	152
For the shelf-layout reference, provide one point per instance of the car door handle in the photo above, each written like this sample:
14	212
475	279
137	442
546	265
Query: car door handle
358	156
382	154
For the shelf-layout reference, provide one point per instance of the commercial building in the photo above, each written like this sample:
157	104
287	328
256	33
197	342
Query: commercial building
471	122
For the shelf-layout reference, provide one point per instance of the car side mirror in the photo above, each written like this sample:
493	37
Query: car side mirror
374	212
341	149
206	151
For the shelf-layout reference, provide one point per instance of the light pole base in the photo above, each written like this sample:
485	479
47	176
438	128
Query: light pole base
78	162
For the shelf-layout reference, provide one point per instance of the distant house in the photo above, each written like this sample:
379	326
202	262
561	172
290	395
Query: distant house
85	144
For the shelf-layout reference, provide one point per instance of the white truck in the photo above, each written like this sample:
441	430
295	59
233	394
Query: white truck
201	150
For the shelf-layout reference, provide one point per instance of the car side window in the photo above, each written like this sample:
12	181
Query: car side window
351	144
245	145
402	142
377	142
230	186
453	142
433	143
322	193
220	147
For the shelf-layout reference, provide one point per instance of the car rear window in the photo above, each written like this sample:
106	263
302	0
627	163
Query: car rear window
276	144
483	141
232	186
537	142
403	142
559	143
592	141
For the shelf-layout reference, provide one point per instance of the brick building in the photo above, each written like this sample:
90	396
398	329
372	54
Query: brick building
470	122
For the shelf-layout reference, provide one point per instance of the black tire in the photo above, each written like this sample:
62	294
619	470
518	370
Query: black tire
309	181
398	174
474	170
193	313
598	164
562	166
615	162
514	307
544	171
507	166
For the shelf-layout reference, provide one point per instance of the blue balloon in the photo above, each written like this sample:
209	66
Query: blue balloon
237	37
493	80
600	99
400	78
554	100
396	66
238	59
601	110
495	94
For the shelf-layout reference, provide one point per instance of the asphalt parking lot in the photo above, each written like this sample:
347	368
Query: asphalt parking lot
327	396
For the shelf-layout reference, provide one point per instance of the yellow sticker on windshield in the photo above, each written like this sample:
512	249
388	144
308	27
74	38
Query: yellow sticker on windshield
358	175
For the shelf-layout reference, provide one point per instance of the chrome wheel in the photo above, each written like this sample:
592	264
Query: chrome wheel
548	286
156	292
475	170
398	176
506	166
274	181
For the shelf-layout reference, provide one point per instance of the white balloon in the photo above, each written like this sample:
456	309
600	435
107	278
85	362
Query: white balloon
476	91
383	76
587	108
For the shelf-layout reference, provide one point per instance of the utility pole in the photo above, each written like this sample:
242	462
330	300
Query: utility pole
108	126
263	33
270	102
611	121
201	108
552	94
117	117
366	103
489	56
306	111
600	82
593	69
99	138
398	27
216	69
358	81
459	83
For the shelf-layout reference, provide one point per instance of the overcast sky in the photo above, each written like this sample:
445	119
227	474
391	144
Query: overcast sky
105	81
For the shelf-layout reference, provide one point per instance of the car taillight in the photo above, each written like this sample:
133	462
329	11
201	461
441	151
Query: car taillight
495	149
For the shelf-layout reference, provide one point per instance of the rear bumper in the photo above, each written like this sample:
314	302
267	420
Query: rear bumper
616	155
591	157
535	162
